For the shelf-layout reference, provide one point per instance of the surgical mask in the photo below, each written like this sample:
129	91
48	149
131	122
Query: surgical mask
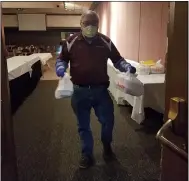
89	31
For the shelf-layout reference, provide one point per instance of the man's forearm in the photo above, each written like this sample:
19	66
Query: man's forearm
122	65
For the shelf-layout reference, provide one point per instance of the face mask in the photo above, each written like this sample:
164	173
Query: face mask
89	31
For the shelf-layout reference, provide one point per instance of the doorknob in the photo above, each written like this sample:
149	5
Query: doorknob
178	113
177	118
168	143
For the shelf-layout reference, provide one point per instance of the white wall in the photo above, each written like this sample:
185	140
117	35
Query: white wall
138	29
35	22
64	21
29	4
10	20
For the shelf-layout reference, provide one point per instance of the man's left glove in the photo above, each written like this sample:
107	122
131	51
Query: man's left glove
123	66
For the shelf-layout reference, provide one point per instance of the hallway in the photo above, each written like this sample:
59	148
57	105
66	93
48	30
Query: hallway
48	147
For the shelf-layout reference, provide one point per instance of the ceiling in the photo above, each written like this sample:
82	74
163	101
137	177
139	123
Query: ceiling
68	7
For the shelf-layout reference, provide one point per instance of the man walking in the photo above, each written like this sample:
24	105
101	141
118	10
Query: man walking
88	52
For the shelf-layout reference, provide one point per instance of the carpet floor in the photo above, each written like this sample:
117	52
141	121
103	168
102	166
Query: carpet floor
48	146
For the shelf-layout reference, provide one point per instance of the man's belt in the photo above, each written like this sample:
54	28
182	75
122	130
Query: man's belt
92	86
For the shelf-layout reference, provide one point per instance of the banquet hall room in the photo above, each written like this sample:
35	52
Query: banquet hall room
40	140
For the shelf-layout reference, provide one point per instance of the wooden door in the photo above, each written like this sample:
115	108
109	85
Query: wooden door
173	135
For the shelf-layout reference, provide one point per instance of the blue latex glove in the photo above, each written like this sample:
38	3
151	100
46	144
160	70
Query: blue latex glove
60	68
60	71
123	66
131	69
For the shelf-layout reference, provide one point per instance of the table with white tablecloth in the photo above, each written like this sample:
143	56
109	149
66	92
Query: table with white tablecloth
154	93
44	57
24	73
19	65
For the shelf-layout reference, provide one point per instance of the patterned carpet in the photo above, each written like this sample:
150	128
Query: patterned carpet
49	70
48	147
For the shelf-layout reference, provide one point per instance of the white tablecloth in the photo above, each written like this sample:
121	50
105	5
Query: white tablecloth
44	57
154	95
19	65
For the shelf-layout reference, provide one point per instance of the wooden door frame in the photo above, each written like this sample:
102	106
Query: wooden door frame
177	33
173	166
8	155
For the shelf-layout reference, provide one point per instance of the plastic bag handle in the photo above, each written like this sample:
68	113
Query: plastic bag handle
128	74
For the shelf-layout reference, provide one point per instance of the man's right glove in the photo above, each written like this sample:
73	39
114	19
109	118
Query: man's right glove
60	69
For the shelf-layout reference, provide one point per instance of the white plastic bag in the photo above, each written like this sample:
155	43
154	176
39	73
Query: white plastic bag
138	113
65	87
158	68
143	69
129	84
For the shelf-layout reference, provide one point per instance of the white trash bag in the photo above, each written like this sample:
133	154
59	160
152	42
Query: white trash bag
129	84
65	87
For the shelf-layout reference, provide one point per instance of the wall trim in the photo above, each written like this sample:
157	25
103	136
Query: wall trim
60	29
62	14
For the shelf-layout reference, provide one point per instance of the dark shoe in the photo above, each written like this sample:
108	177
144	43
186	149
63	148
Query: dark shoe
108	154
86	162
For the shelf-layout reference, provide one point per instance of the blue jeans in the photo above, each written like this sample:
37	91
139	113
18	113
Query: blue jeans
98	98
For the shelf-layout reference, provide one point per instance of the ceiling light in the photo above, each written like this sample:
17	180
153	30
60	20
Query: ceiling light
71	6
20	9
